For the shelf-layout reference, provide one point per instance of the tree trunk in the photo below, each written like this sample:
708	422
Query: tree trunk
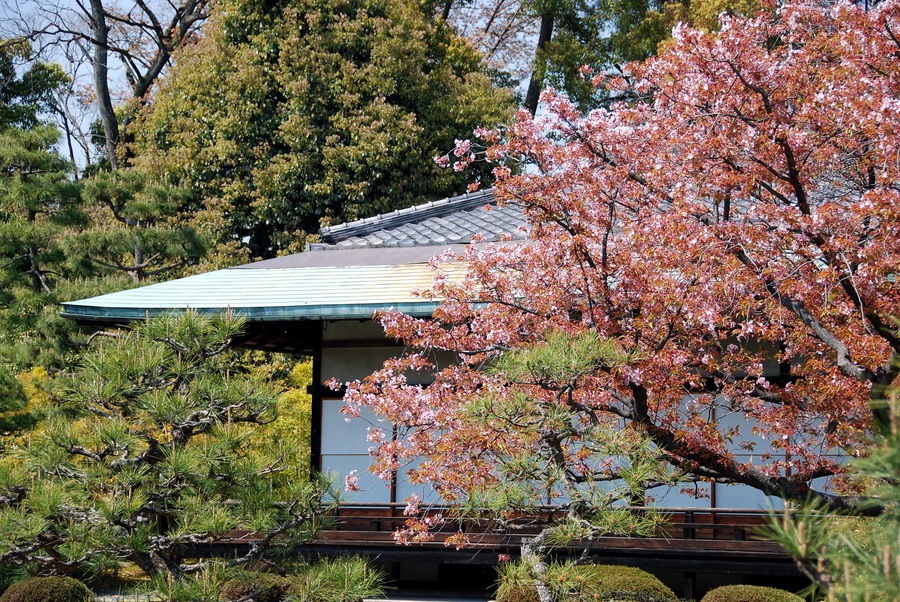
537	73
138	274
532	553
100	33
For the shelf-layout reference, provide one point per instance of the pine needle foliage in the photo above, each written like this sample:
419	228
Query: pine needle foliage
854	558
591	468
150	449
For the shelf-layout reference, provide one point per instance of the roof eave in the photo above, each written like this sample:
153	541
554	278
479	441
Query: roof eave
364	311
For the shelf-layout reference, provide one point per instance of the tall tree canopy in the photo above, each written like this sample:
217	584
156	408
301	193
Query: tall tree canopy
287	113
734	235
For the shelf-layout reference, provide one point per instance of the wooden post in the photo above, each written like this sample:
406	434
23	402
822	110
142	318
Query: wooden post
315	421
690	585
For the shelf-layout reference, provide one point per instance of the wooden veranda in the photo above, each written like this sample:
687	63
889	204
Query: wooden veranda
692	541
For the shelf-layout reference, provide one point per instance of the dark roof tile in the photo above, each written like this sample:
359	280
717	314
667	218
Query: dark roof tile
452	220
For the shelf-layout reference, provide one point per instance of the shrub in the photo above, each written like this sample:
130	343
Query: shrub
43	589
337	580
516	583
264	587
627	583
568	581
749	593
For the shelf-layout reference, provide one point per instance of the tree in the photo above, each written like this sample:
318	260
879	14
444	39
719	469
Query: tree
38	207
283	115
734	234
148	452
23	97
608	34
143	238
141	35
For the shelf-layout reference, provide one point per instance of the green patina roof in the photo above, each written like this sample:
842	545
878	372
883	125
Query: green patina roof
283	293
359	268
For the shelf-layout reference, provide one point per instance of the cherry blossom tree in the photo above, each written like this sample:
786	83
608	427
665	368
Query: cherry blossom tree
742	216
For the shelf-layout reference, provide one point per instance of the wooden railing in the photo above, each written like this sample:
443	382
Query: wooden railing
724	529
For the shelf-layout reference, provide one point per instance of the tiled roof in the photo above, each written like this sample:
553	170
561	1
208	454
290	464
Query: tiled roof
447	221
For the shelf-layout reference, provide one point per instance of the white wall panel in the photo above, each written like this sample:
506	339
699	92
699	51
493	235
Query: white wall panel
742	496
372	489
342	434
672	497
354	363
406	489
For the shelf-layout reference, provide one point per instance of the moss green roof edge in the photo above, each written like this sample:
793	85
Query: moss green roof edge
362	311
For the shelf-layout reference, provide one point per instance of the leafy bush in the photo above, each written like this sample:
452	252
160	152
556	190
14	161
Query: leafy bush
43	589
749	593
263	587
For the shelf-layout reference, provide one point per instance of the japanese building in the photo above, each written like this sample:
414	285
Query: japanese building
321	303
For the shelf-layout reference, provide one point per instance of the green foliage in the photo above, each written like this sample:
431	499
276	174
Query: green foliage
12	404
12	396
199	586
590	465
44	589
151	447
23	97
136	229
570	581
346	579
292	426
287	114
854	558
561	359
37	202
606	34
39	207
749	593
620	580
262	587
516	583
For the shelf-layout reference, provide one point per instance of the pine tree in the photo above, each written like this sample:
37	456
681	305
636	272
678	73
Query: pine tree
136	227
39	205
152	448
850	557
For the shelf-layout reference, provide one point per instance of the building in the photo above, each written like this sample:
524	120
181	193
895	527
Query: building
321	302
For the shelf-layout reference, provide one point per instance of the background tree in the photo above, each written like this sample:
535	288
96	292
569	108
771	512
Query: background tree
38	206
283	115
606	35
552	451
141	36
137	230
149	451
742	217
24	96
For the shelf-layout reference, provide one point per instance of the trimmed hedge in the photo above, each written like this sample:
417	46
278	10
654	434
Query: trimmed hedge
44	589
596	582
626	583
749	593
264	587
